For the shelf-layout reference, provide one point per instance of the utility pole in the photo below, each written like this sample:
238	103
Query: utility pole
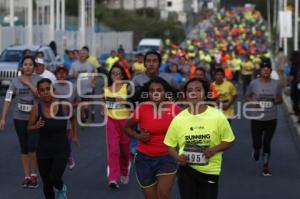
285	40
52	18
275	13
82	22
57	14
29	24
93	15
12	14
269	20
296	25
63	15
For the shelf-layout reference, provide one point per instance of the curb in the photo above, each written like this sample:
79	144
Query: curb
292	119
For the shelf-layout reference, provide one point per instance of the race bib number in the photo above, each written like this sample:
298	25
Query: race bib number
113	105
8	96
265	104
24	107
195	155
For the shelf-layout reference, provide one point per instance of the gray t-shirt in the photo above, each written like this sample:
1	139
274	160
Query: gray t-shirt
24	98
140	79
64	89
82	73
264	93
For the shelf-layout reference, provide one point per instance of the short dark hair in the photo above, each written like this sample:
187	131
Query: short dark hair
44	80
26	50
153	52
219	70
201	69
205	85
165	85
116	65
86	48
28	57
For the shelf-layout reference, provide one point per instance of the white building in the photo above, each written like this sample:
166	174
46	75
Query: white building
181	7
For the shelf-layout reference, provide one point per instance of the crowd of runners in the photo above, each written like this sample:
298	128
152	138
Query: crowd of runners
168	113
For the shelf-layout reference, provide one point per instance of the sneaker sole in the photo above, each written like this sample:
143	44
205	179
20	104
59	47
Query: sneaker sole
33	187
266	174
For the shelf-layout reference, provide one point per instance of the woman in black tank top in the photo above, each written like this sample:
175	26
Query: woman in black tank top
50	119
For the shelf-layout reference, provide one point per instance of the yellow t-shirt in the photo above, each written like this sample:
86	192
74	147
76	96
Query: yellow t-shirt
207	129
226	92
93	60
138	67
116	110
111	61
247	68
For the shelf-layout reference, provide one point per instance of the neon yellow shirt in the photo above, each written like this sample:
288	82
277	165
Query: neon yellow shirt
111	61
226	92
115	111
209	128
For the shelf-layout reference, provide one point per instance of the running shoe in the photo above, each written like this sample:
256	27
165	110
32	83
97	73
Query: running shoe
71	163
124	179
33	182
266	171
113	185
26	182
61	194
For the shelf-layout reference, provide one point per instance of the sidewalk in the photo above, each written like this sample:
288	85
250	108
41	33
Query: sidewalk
293	119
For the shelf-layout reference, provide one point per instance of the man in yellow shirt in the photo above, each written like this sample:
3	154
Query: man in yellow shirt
138	66
227	93
111	60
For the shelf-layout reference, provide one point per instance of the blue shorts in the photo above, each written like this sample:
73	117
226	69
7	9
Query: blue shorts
149	168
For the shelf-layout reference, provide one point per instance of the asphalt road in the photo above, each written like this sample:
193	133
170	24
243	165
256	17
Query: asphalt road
241	177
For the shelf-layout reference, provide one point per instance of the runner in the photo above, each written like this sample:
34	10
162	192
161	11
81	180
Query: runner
227	93
24	90
82	71
155	169
41	71
50	119
202	133
111	60
118	143
265	93
63	88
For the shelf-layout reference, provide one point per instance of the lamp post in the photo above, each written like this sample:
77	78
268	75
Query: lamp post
296	25
29	23
11	13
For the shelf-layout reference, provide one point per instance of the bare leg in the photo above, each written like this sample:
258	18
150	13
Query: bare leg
26	164
165	184
150	192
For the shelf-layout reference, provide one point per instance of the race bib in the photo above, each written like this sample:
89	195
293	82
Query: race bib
8	96
24	107
195	155
113	105
265	104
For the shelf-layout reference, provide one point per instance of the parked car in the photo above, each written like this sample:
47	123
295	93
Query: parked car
11	57
150	44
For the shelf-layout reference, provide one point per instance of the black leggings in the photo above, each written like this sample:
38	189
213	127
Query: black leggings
262	133
51	171
28	141
194	185
246	81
